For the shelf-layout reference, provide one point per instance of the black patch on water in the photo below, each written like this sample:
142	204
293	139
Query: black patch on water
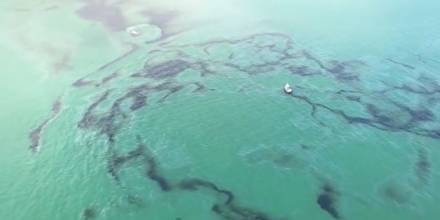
163	19
135	200
423	165
395	193
353	98
199	87
89	213
344	71
82	82
420	115
225	208
166	69
303	71
89	119
195	184
116	162
401	64
305	147
327	201
380	118
109	15
232	212
283	57
154	175
139	101
108	78
109	122
35	134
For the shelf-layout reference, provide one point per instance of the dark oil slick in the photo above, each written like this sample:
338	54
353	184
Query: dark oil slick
109	15
382	111
423	166
327	200
35	134
401	64
226	208
281	47
89	213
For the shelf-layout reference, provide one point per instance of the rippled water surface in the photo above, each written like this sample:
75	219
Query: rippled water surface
174	110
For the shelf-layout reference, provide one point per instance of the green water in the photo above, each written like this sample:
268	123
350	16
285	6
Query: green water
188	119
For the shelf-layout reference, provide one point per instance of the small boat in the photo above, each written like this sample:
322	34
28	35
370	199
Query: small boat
288	89
134	32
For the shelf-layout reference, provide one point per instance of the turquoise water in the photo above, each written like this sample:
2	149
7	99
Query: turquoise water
175	110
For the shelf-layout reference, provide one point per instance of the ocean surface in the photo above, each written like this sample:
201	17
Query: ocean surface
175	110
